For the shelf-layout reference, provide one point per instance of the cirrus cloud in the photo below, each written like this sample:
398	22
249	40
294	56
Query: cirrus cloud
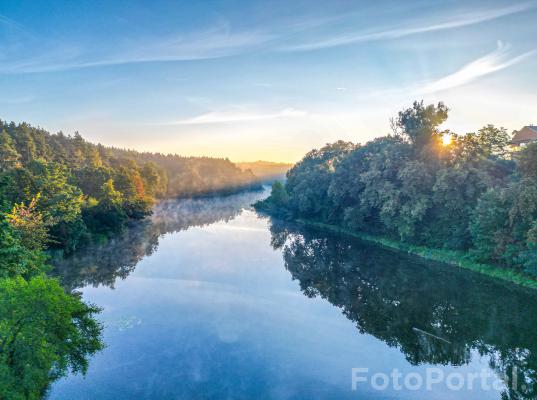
497	60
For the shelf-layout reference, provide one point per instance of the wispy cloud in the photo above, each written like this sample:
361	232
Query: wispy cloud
214	43
497	60
454	21
220	41
216	117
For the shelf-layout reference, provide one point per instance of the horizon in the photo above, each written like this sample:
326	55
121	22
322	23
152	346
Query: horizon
203	80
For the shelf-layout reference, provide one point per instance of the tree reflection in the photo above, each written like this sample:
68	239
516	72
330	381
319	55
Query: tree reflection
431	313
104	264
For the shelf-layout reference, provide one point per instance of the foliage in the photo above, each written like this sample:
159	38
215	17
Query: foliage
420	124
9	157
468	195
28	222
278	202
73	178
44	333
15	258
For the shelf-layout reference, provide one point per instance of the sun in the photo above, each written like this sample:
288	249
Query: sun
447	139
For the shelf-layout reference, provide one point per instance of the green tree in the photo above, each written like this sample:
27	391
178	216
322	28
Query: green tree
28	222
44	334
15	258
152	178
493	141
25	142
420	123
107	215
490	225
277	202
308	181
279	194
529	255
527	161
466	195
9	157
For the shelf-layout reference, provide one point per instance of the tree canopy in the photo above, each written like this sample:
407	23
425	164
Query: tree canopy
467	193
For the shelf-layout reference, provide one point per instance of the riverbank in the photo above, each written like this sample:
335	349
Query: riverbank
450	257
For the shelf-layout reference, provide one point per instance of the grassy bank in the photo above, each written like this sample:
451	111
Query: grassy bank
451	257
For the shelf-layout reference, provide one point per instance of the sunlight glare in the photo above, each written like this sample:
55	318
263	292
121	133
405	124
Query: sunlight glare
447	139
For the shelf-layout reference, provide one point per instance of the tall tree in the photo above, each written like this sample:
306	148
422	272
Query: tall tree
9	157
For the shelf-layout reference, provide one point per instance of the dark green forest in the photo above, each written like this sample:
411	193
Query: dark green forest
471	193
65	190
61	192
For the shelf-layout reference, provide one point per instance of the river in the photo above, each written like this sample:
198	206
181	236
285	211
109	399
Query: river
209	300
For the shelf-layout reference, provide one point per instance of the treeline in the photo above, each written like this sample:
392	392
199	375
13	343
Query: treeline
61	190
424	186
191	176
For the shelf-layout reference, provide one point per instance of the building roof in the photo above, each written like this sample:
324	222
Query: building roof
526	134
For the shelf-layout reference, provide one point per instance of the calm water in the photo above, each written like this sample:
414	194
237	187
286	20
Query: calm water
210	301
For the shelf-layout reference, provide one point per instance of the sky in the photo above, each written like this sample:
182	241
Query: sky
256	79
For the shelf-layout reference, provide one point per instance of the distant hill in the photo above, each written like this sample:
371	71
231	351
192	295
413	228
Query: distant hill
266	170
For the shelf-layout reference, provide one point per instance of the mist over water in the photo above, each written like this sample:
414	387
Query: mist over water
210	300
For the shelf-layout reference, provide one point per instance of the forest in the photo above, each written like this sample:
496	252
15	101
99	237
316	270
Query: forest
62	193
425	186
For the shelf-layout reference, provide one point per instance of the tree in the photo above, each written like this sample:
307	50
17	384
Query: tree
465	195
420	123
490	226
527	161
9	157
90	179
280	196
106	215
278	200
44	333
15	258
24	141
28	222
60	200
152	178
308	181
493	141
456	191
529	256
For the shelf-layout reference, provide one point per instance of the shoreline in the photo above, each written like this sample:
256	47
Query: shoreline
449	257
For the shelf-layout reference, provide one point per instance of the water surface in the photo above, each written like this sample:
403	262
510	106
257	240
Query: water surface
209	300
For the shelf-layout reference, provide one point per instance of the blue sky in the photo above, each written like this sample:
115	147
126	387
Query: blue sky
262	79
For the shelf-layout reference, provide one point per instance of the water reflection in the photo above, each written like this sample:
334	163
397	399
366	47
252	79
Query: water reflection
105	264
433	314
214	312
